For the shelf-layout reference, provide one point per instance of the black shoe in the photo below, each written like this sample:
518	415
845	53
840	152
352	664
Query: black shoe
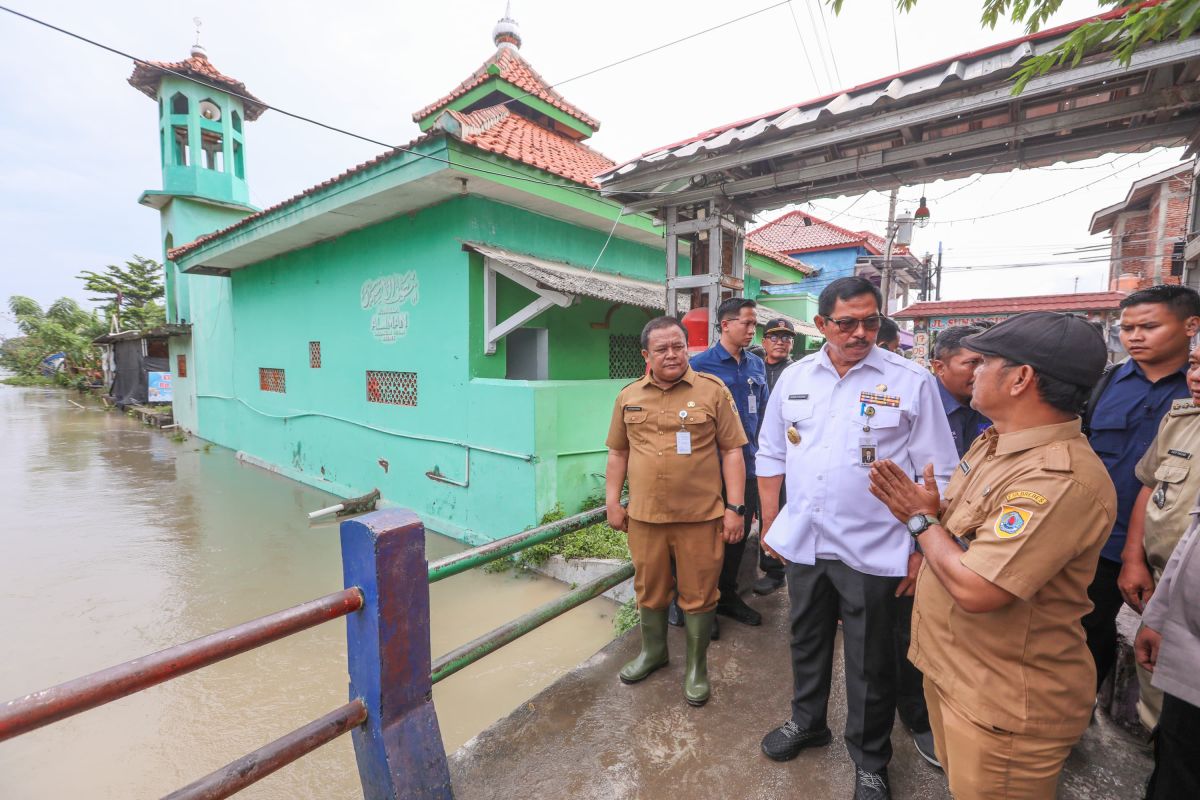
767	584
736	609
871	785
674	614
785	742
924	743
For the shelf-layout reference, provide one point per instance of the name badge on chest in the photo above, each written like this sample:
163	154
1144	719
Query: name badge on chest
683	438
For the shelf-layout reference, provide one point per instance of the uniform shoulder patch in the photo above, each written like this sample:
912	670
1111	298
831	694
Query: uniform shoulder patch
708	377
1183	408
1012	521
1022	494
1058	457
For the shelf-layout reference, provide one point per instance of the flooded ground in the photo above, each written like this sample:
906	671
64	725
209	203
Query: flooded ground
117	541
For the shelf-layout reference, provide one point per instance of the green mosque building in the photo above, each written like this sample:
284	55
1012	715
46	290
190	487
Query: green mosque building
448	322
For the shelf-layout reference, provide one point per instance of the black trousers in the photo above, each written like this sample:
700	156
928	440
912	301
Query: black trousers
866	604
910	691
728	582
1176	766
772	567
1101	624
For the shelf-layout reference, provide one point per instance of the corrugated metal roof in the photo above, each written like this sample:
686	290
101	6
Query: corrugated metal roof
604	285
952	118
1084	301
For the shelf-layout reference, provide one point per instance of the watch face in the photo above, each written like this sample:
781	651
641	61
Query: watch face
917	524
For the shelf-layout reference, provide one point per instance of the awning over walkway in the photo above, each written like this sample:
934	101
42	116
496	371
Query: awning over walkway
946	120
560	284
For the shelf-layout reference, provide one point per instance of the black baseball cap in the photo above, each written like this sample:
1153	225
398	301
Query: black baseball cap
780	325
1057	345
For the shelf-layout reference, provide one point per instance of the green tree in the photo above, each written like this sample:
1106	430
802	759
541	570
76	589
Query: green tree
64	327
1123	35
131	290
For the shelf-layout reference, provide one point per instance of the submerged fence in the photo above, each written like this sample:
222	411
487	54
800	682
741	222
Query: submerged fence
390	713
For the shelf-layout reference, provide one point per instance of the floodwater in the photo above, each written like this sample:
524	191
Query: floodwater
117	541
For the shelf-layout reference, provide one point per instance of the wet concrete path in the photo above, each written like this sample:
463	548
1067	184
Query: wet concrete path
589	737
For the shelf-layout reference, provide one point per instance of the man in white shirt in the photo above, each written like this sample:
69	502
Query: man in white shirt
831	416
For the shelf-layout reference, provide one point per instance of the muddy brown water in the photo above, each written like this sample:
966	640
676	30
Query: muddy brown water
117	541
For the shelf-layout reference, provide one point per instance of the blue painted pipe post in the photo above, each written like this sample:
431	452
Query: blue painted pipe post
399	747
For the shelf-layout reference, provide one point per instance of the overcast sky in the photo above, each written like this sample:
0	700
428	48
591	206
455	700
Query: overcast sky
78	144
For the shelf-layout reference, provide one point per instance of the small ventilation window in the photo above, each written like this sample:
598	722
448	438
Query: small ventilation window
314	355
237	120
392	388
179	139
272	380
625	357
179	103
181	366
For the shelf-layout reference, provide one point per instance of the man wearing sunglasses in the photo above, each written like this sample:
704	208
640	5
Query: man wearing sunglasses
831	416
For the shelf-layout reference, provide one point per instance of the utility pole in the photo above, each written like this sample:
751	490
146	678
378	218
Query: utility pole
886	281
938	292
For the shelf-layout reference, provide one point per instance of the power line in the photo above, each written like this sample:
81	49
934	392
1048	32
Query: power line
821	45
832	54
804	49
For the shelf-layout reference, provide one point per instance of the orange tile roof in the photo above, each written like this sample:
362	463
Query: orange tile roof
147	74
1084	301
779	258
506	63
499	130
790	234
496	130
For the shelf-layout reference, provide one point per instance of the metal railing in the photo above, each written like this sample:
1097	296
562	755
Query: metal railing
390	714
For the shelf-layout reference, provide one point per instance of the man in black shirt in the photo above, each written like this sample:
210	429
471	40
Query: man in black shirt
777	354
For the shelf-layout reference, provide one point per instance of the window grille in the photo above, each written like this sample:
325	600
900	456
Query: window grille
181	366
393	388
272	380
314	355
625	357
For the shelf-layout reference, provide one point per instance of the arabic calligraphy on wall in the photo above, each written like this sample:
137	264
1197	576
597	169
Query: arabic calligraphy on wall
386	298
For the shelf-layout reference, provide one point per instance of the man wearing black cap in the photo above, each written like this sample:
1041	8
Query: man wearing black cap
996	630
778	339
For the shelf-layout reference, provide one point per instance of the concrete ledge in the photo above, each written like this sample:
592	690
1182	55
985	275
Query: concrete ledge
578	571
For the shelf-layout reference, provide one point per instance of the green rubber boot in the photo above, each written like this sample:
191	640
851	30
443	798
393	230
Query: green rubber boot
695	675
654	647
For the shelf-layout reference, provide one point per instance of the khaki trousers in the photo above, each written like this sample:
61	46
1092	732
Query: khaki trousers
698	551
983	762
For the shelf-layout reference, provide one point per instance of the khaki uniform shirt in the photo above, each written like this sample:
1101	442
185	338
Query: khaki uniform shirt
1167	469
1035	507
665	485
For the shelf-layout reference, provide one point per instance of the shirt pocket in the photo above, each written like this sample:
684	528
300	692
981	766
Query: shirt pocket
695	418
1169	477
1109	433
883	417
798	412
633	417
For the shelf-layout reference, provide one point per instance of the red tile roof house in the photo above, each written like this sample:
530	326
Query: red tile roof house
449	322
836	252
932	317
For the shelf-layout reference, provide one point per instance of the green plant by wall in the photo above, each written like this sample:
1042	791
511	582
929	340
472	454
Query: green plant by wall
594	541
626	618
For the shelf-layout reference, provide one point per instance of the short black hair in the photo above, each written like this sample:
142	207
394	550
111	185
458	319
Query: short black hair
845	289
1068	397
657	324
949	341
1183	301
731	308
888	330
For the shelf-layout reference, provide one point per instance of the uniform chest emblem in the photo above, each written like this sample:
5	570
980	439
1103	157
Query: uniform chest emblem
1012	521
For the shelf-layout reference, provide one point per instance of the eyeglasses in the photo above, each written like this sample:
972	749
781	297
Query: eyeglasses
850	324
779	337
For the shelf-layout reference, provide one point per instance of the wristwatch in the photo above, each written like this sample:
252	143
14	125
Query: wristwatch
739	510
921	523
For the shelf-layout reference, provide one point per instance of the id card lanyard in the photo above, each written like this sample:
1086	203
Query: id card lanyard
683	438
868	448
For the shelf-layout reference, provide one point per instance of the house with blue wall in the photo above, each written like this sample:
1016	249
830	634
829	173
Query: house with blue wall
834	252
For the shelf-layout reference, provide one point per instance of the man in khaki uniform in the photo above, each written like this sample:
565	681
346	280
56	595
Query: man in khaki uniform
676	434
996	630
1161	514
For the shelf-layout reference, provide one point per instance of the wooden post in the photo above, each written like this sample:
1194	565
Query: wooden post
715	253
399	748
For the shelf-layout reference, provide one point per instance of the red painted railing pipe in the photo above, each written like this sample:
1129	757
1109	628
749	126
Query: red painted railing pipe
66	699
253	767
